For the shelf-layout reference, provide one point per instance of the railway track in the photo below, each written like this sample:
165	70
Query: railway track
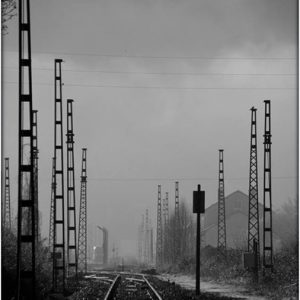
131	286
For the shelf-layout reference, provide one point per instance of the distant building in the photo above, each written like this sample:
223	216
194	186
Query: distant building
236	211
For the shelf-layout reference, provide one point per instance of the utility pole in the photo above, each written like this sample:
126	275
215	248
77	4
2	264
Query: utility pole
51	220
59	272
6	213
221	205
253	219
159	231
82	234
26	278
177	234
267	220
71	203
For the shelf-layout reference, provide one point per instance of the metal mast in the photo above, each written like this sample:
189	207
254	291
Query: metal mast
59	274
51	223
35	171
253	219
177	224
267	220
166	228
159	231
147	241
6	205
26	279
71	203
140	242
221	205
82	233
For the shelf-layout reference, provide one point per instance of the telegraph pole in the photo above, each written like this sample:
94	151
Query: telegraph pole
26	279
267	220
82	234
221	205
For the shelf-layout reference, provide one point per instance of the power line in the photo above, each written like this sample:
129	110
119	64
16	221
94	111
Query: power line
163	87
161	57
165	73
185	179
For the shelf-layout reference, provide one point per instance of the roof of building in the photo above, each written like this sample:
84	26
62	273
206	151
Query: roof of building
236	202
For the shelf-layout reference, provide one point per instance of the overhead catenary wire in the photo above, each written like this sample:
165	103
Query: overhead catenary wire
162	73
161	87
157	56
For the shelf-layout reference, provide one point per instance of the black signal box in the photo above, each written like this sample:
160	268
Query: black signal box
199	202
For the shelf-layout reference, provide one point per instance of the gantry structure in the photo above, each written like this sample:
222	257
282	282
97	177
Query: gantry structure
221	204
267	216
253	216
159	230
58	256
6	212
82	231
26	239
72	266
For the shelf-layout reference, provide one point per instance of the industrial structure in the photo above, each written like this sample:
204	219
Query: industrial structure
82	231
6	212
253	219
58	255
26	239
267	216
71	201
221	205
104	249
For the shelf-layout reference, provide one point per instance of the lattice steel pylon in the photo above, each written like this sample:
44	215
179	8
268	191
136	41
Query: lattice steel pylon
72	262
26	279
177	235
147	240
221	205
82	232
253	216
6	213
51	219
140	241
159	230
166	243
267	216
35	171
59	272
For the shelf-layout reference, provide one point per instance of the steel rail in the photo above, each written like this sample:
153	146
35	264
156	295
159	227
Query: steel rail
112	288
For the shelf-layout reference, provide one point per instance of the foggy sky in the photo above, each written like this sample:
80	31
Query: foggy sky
137	136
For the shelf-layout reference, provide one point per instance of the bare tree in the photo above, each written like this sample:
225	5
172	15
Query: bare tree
8	11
